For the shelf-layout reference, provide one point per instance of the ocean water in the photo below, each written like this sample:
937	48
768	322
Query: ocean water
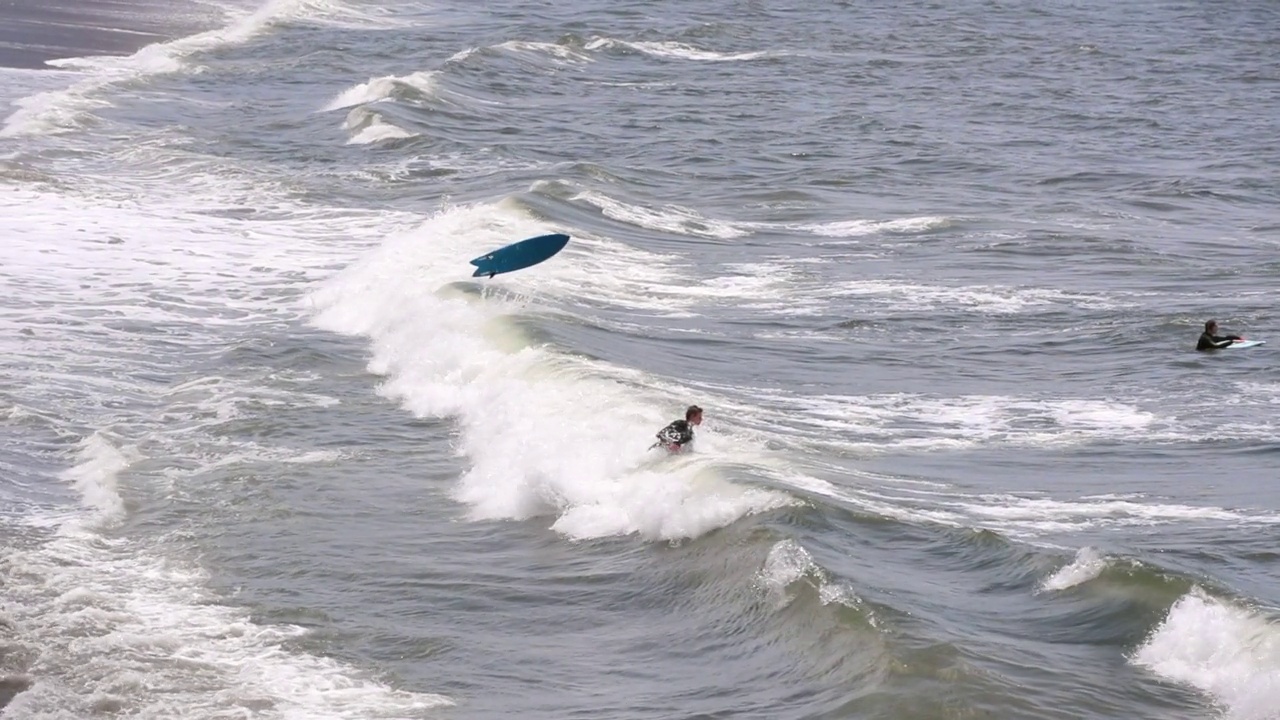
934	271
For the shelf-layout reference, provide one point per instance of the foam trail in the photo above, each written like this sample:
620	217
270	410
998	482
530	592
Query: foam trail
547	434
1228	652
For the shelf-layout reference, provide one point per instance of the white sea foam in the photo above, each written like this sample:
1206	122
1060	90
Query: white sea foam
94	477
110	259
1260	392
1227	651
895	294
789	563
680	51
383	88
115	628
72	108
639	280
668	218
194	412
369	127
600	271
863	425
1087	565
1032	512
114	624
545	434
874	493
560	53
791	287
898	226
871	423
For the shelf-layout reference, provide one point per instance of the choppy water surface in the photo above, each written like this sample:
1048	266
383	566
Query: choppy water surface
934	272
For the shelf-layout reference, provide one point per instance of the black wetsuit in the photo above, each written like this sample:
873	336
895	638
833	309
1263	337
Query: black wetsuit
676	435
1209	341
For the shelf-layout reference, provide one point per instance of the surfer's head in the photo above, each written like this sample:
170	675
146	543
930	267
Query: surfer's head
693	415
1210	325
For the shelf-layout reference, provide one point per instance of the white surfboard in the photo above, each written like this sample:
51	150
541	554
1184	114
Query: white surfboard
1246	343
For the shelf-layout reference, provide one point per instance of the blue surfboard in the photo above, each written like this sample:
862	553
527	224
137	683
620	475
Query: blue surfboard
518	256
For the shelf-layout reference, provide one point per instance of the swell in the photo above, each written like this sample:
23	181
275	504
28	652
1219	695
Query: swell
1034	605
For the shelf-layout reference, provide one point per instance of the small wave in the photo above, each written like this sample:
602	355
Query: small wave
675	50
789	563
545	434
1225	650
369	127
656	504
668	218
1087	565
95	475
900	226
554	51
382	88
378	132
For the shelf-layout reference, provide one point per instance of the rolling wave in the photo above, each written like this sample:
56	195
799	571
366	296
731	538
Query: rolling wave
544	433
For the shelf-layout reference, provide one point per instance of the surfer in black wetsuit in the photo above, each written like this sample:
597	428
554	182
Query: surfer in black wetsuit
1210	340
676	436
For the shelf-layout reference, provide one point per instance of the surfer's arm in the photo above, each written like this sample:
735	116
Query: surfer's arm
1214	342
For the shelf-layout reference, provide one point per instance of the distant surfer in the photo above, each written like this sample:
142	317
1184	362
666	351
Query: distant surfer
1211	340
677	436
